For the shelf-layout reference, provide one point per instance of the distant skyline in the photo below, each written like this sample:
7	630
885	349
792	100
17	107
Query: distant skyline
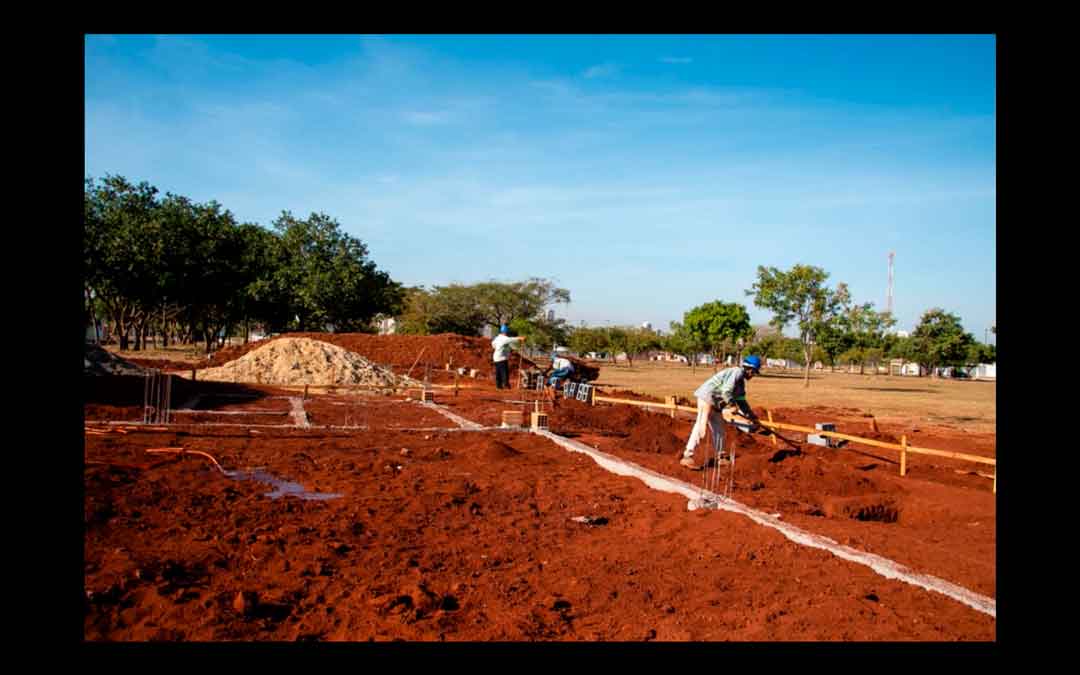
646	174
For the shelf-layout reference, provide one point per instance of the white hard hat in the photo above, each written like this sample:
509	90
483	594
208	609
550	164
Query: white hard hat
561	350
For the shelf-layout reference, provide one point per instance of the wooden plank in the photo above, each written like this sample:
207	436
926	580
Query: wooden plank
953	455
833	434
903	454
646	404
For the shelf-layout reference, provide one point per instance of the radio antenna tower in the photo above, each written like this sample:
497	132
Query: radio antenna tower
888	299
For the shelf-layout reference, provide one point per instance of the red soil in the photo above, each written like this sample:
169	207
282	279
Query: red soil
399	352
461	535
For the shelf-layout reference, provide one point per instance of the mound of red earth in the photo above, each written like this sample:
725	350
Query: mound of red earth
398	352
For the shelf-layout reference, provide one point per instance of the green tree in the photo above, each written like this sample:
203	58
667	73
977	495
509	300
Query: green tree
940	341
584	340
834	341
120	252
616	340
632	341
722	326
500	303
325	276
684	343
444	309
980	353
801	296
539	333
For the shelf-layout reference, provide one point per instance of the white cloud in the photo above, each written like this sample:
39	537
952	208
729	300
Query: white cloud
676	59
602	70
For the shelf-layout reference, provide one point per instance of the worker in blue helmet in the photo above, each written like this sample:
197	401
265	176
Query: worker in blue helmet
726	388
501	355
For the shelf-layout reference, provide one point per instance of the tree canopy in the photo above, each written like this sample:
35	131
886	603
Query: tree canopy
799	295
170	262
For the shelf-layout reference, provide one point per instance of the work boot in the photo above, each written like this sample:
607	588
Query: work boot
689	463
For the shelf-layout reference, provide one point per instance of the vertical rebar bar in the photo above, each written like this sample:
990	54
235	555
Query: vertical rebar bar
168	399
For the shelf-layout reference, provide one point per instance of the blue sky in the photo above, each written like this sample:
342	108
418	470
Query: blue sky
646	174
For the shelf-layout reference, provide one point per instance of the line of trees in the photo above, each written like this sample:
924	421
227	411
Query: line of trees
611	341
831	328
189	272
466	309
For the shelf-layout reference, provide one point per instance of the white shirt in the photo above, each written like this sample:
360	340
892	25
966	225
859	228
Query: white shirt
501	345
561	362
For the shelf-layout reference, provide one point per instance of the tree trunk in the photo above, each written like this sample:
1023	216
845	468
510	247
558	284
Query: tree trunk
806	379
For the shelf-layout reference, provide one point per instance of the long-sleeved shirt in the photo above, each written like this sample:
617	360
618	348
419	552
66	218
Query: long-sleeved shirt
560	362
501	345
726	386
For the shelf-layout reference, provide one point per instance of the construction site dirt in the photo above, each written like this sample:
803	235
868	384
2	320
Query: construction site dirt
432	532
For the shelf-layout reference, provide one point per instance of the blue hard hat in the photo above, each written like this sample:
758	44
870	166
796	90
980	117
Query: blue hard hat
753	362
504	328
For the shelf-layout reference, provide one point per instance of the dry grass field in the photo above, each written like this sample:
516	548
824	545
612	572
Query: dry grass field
967	405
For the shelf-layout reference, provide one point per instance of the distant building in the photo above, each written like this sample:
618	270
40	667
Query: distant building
647	325
902	334
780	363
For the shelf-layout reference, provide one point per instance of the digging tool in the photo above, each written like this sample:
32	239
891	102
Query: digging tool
415	362
765	431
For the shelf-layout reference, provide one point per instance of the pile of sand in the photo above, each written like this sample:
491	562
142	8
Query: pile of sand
291	361
98	361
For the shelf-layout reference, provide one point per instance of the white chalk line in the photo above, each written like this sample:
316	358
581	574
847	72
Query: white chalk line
298	414
887	568
457	419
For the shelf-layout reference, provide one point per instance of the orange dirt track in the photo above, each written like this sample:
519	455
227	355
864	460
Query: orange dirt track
448	534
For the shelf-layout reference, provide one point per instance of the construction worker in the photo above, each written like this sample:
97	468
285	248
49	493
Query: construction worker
561	366
725	388
501	346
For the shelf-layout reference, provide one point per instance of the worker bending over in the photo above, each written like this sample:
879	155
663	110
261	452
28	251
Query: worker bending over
725	388
561	366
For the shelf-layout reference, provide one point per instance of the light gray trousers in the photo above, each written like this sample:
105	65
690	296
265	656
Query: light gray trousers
708	418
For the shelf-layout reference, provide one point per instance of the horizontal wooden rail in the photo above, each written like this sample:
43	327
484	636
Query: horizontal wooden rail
902	448
647	404
883	444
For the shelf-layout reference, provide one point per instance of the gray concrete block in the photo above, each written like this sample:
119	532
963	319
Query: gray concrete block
818	440
825	426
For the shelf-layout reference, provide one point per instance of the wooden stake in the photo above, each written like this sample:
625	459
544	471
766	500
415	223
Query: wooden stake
903	454
772	436
415	362
873	424
305	392
192	374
